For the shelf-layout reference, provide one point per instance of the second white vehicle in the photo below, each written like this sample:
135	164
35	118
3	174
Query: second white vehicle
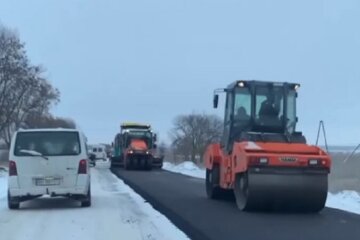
51	162
99	151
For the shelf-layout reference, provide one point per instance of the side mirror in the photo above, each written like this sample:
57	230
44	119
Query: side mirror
216	100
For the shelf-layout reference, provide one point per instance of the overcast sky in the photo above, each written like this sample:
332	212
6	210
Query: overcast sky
149	61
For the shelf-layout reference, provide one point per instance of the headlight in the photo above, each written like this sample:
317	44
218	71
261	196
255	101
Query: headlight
263	161
257	161
314	162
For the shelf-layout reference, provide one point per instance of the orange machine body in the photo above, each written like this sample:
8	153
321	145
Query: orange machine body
246	155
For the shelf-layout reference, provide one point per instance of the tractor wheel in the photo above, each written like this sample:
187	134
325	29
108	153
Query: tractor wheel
127	164
140	164
213	189
148	164
147	167
241	191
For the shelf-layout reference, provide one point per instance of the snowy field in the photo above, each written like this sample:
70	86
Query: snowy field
117	213
345	200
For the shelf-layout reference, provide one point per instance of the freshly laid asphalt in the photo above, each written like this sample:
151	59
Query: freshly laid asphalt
182	199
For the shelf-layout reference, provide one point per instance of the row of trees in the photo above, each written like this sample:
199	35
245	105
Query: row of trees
26	96
192	133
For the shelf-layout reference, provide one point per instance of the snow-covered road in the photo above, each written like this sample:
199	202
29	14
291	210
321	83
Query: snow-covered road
345	200
117	213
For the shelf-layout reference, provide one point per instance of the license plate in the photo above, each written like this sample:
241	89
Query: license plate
288	159
47	181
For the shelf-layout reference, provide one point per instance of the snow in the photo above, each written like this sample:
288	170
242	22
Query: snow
49	130
117	212
186	168
345	200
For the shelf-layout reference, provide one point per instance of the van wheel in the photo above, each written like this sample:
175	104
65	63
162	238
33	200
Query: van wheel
13	203
87	201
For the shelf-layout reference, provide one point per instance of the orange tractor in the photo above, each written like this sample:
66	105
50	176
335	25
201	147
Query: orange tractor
261	157
135	147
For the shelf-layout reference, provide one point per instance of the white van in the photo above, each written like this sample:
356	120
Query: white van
99	151
51	162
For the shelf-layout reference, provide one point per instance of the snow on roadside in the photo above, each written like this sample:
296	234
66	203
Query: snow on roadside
154	220
345	200
117	212
186	168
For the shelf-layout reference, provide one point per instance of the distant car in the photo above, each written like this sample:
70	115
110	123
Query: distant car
51	162
99	152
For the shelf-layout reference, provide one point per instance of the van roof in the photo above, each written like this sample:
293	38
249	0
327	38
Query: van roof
97	145
48	130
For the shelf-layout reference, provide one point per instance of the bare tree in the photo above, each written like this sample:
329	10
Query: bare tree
13	76
192	133
162	148
23	90
41	121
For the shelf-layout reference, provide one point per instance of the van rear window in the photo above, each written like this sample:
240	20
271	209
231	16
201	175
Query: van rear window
48	143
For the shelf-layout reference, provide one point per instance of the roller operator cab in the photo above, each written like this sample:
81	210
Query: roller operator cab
261	157
134	147
51	162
